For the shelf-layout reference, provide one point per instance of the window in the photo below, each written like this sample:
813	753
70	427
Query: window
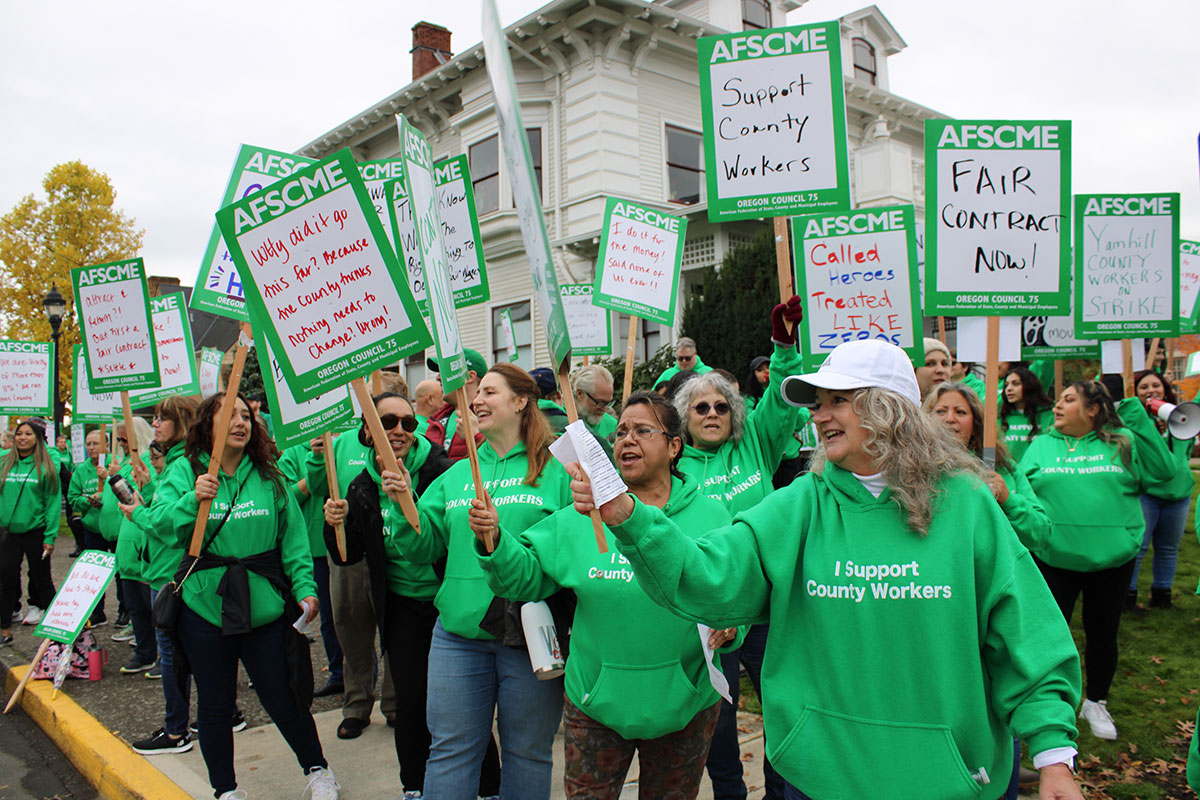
522	332
685	165
864	61
756	14
534	137
484	158
651	336
415	370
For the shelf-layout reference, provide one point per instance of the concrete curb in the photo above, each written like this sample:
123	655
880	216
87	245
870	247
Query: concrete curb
105	761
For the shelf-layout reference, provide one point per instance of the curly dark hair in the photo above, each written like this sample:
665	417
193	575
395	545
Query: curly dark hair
666	415
260	449
1094	394
1033	401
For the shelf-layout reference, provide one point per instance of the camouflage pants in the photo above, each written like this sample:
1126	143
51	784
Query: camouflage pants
598	758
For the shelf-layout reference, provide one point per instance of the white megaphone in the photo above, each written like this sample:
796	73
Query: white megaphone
1183	420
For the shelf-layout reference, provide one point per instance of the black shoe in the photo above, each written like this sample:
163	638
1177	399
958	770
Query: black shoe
135	666
5	640
162	742
75	554
351	728
329	689
99	619
1160	598
122	619
239	721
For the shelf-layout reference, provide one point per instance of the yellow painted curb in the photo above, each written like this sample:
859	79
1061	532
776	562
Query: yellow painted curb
109	764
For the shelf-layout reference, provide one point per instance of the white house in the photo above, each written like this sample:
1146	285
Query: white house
610	97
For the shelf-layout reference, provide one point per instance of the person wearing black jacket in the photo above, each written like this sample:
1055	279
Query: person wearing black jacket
401	592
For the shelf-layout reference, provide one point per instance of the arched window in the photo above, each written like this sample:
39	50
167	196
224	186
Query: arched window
756	14
864	61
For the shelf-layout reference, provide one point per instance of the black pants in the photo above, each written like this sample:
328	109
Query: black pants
409	633
1103	598
214	658
137	600
27	546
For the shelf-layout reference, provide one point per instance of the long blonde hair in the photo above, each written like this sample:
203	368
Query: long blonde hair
47	475
912	449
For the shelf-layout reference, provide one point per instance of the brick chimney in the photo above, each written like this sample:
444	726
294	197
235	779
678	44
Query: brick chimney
431	48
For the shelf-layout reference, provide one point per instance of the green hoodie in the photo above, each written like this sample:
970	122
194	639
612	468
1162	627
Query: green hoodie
672	371
1017	429
85	483
349	457
40	501
1182	482
464	597
634	666
263	519
404	578
1091	495
132	553
1024	510
298	463
163	553
924	655
738	473
555	415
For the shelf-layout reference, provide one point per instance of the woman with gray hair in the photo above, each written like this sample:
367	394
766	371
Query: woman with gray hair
914	635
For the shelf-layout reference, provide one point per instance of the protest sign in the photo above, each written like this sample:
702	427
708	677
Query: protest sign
1126	265
115	326
1193	365
317	278
1189	286
87	406
78	443
218	288
973	339
526	195
90	575
637	271
210	370
857	273
589	325
507	335
404	233
298	421
774	115
375	175
177	359
1054	337
999	193
27	377
460	232
1112	355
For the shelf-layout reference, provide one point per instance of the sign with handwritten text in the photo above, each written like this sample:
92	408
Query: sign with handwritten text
375	175
26	378
774	115
404	234
297	421
176	358
637	271
460	232
1189	286
113	303
96	408
422	192
996	228
90	575
210	370
1126	265
590	325
321	278
218	289
857	273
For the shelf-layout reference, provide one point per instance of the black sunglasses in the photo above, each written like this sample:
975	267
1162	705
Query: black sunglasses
599	402
721	407
390	421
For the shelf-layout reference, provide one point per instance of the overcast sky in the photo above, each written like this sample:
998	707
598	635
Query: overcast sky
159	95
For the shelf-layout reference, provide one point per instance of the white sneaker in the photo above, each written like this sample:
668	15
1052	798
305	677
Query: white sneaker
234	794
322	785
1098	717
33	616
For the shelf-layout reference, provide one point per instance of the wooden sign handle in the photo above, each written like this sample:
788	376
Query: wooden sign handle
783	259
564	389
1127	365
339	530
630	349
942	329
384	449
1058	378
377	382
1153	354
468	432
993	380
220	431
130	437
16	695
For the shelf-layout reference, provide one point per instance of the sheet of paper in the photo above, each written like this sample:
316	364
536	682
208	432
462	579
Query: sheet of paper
578	444
1112	359
715	676
972	339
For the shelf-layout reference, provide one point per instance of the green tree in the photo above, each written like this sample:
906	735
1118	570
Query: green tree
644	373
731	319
77	224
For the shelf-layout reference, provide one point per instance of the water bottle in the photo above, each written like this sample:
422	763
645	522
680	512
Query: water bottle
96	659
541	639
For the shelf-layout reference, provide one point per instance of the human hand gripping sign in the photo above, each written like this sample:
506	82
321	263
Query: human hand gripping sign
484	520
615	512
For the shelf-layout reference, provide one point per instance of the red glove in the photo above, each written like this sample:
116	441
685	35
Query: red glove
784	316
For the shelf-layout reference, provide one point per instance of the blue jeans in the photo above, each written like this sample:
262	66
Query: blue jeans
1165	520
333	650
137	602
175	720
469	681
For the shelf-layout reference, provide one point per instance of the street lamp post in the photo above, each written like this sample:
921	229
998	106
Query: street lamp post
56	308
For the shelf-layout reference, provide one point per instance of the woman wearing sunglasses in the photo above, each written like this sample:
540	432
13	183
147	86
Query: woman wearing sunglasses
732	456
636	679
479	669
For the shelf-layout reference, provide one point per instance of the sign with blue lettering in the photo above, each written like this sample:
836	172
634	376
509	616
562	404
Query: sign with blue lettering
997	216
1126	265
641	251
774	114
115	325
857	273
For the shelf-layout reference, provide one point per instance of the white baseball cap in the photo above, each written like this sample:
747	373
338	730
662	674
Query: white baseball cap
856	365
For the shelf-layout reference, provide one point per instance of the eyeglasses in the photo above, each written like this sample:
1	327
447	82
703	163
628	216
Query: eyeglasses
598	401
640	433
390	421
721	407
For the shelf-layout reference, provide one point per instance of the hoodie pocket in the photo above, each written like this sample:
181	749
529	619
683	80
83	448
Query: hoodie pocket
1089	547
893	759
642	702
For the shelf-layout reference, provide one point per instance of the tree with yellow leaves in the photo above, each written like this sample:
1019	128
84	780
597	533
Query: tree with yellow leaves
42	240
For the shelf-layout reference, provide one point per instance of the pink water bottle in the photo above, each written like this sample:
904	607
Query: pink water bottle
96	659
